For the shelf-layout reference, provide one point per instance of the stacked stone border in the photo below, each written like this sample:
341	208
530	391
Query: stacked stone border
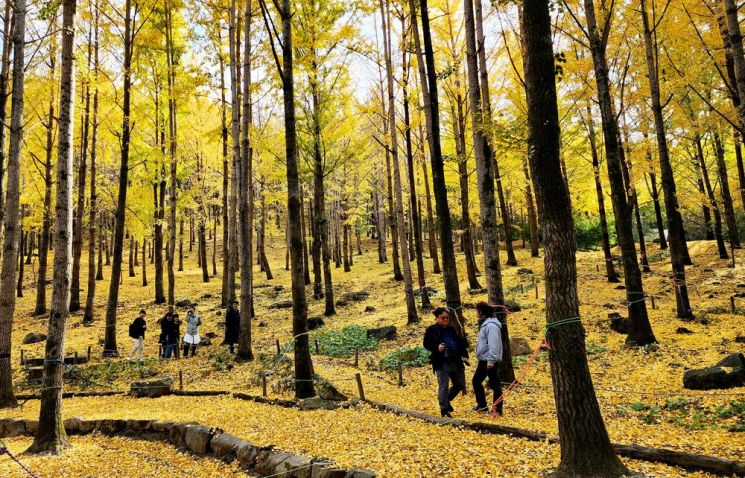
200	440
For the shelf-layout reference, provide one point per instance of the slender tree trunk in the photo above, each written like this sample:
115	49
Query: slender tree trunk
484	170
12	220
432	236
415	216
657	210
25	239
245	208
132	256
172	152
92	213
532	213
262	243
227	293
306	264
428	76
144	263
77	240
678	248
586	450
392	223
721	246
412	316
181	245
4	69
99	266
610	271
705	210
51	437
46	223
303	365
202	233
640	332
633	198
110	346
727	203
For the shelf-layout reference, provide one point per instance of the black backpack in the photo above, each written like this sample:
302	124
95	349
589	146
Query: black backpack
134	331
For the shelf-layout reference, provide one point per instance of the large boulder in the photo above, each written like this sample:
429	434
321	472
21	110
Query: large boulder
327	391
197	439
315	323
152	388
282	304
519	346
387	332
184	303
34	338
728	373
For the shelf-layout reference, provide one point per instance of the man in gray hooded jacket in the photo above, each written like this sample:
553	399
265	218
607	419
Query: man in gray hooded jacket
488	354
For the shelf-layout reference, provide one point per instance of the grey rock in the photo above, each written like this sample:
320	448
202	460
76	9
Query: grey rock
282	304
525	271
387	332
197	439
728	373
152	388
327	391
246	454
315	322
683	330
225	445
34	338
358	296
370	308
184	303
519	346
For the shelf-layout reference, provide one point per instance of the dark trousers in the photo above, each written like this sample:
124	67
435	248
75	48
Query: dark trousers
449	372
193	350
481	373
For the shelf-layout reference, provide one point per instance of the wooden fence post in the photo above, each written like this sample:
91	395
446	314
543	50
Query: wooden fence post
279	351
400	375
263	384
89	353
22	361
732	303
356	357
181	380
359	386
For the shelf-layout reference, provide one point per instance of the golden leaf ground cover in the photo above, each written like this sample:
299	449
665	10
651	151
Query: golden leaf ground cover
93	456
640	390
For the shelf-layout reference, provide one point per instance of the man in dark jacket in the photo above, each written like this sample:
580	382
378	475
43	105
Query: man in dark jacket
232	326
447	354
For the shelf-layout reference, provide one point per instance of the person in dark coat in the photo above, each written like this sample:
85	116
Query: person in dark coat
165	328
137	333
448	353
232	326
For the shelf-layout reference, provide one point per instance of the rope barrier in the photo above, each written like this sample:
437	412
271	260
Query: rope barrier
5	451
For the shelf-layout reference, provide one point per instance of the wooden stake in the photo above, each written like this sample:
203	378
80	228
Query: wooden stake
89	353
263	384
360	389
356	357
597	268
279	351
732	303
653	304
76	359
536	291
400	375
22	361
180	380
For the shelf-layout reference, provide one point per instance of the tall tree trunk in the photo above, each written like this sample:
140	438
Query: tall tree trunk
586	450
610	271
172	152
633	198
77	240
306	259
202	233
227	293
12	218
532	213
654	192
25	239
4	69
132	256
428	76
640	332
92	213
181	245
415	216
245	201
46	223
705	210
99	265
727	203
411	313
303	365
392	223
721	246
51	437
110	346
262	243
484	170
431	235
144	263
678	248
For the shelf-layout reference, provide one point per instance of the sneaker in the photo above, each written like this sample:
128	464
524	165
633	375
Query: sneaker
480	409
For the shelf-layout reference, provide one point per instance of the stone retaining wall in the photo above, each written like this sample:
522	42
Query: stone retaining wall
200	440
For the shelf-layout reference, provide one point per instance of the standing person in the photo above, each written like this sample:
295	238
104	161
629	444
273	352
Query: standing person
137	333
448	354
166	332
173	336
489	355
191	338
232	326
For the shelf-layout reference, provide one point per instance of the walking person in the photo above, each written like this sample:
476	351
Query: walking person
165	326
489	355
191	338
448	352
173	336
137	333
232	326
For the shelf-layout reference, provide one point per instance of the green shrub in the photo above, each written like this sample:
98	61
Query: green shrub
343	343
416	357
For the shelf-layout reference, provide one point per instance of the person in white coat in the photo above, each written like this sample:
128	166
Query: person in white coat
489	355
191	338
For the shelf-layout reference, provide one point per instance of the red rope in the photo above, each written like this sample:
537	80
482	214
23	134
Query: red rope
4	450
523	372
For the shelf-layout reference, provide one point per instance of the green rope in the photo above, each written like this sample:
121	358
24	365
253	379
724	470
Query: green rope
558	323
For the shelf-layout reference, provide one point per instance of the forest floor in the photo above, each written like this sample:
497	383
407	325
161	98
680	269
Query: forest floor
639	389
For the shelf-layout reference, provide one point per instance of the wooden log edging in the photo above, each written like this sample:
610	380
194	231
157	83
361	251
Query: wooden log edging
689	461
36	396
200	440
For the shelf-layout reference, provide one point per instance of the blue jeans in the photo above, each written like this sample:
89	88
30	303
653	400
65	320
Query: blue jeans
168	348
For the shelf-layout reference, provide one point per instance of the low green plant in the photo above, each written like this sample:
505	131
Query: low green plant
343	343
416	357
